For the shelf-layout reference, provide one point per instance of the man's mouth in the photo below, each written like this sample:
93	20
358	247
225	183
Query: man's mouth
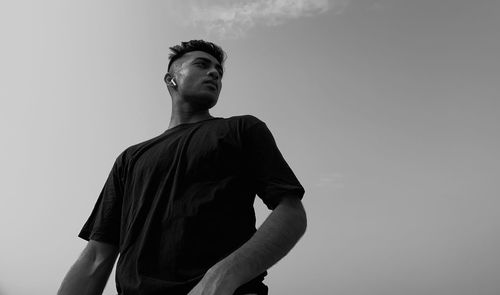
212	83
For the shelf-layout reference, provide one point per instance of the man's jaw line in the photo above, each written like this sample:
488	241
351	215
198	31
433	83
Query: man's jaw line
212	82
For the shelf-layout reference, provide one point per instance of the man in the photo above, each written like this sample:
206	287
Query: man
178	208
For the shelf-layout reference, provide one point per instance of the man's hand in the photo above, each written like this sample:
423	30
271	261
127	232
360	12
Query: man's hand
214	283
210	289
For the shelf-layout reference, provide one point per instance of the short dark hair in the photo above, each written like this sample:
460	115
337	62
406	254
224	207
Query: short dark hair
196	45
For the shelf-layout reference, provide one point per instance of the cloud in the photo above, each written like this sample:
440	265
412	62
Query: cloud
331	180
231	19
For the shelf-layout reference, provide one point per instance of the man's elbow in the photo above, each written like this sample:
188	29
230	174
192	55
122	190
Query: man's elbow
294	206
302	218
98	258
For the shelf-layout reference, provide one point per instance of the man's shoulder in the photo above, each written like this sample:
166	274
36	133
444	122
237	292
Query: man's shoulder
136	148
240	122
245	121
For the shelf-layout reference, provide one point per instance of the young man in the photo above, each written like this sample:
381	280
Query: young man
178	208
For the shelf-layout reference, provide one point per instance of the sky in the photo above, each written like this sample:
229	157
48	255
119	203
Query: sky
388	112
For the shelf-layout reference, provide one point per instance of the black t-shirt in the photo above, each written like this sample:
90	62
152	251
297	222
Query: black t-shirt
178	203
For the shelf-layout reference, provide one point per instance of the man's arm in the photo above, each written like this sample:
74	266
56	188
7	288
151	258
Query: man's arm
90	272
272	241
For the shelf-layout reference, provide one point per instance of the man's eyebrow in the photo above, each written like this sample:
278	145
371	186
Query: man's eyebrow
218	66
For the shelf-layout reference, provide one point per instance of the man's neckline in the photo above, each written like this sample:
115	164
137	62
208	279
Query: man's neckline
192	123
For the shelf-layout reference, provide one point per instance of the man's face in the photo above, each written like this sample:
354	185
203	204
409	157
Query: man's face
198	76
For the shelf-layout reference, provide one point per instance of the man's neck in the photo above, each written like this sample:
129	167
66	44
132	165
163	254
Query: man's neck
179	117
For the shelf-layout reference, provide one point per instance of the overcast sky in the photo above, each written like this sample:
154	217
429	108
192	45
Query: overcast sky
388	111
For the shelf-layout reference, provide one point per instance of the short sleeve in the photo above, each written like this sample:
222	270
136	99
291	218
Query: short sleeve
269	173
104	222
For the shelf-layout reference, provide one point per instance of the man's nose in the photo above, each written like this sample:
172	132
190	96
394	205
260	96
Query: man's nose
213	73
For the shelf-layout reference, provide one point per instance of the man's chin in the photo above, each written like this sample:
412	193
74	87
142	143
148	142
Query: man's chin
204	101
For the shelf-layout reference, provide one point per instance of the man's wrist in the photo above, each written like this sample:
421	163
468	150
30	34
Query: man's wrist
222	274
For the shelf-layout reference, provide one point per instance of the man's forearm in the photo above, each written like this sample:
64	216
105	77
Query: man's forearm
272	241
86	277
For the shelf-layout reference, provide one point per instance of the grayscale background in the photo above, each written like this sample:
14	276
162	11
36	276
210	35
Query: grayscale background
388	111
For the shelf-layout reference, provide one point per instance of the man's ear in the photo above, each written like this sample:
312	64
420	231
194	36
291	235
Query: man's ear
167	77
169	80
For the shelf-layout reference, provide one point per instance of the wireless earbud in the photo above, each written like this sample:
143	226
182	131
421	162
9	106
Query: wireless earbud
170	80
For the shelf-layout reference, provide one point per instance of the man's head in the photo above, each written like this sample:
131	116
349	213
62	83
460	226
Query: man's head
195	72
